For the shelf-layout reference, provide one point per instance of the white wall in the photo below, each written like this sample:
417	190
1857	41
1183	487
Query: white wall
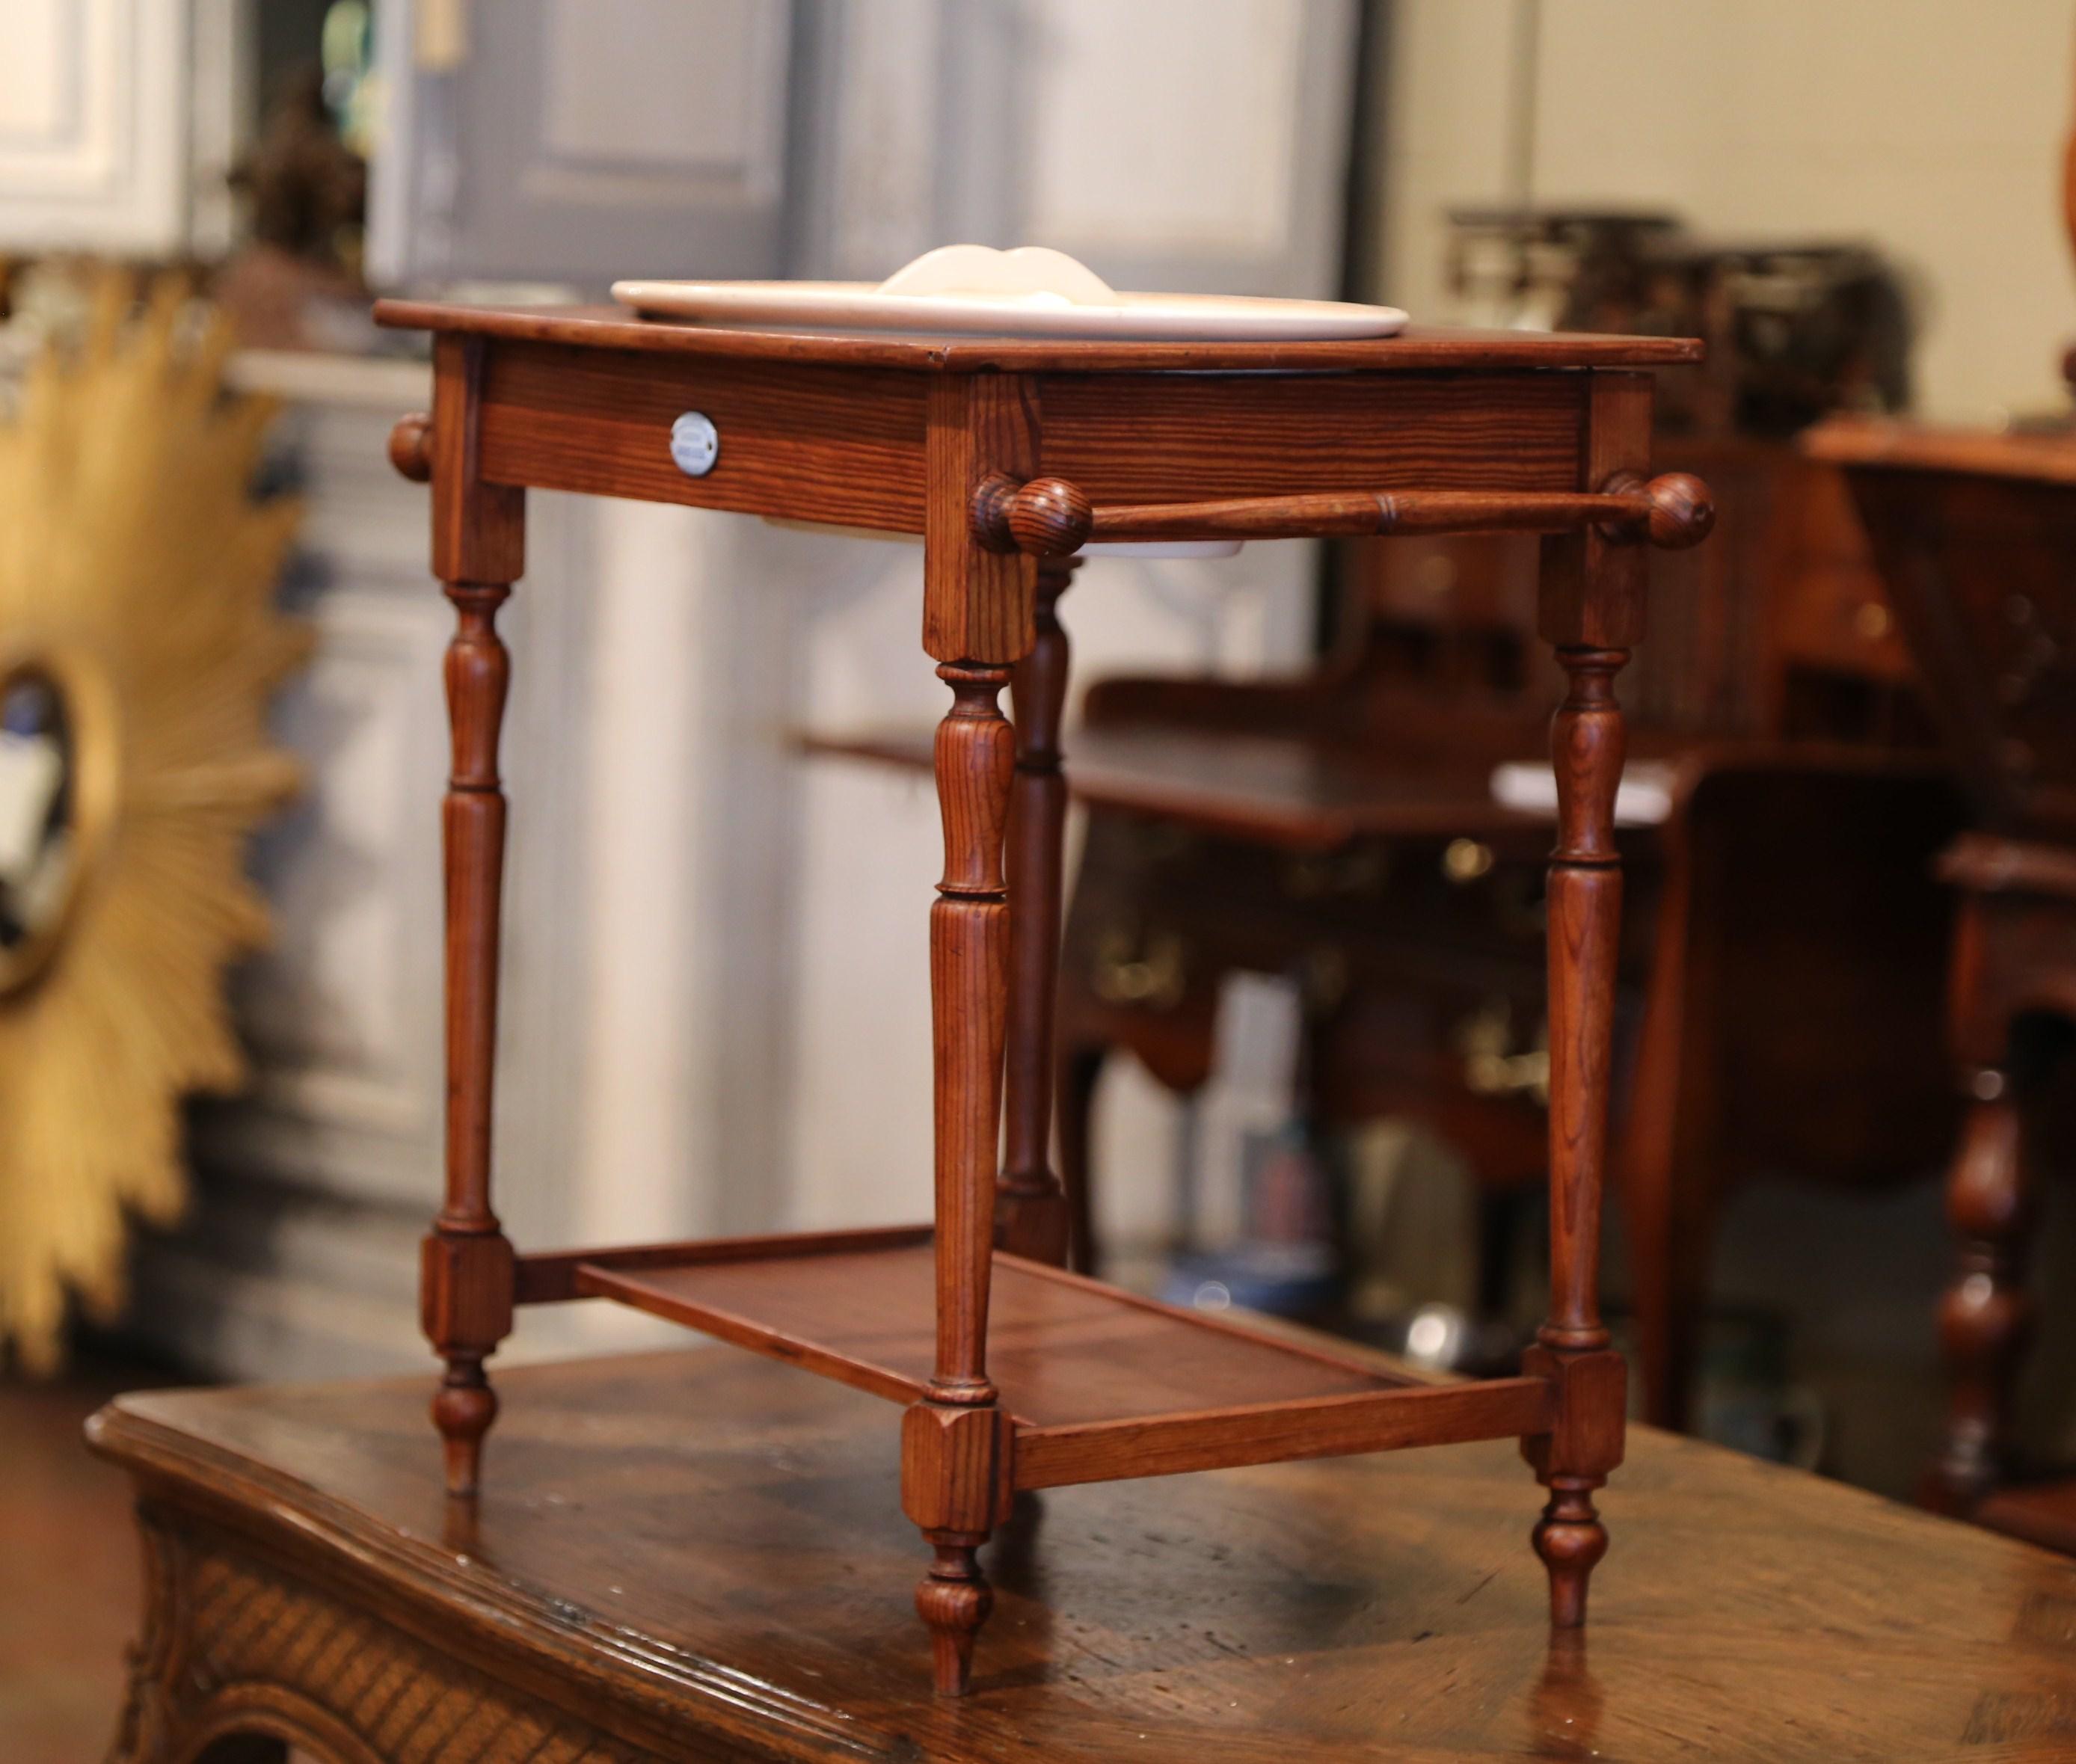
1931	128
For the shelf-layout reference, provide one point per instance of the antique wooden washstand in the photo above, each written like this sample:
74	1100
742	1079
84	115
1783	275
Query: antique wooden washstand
1007	456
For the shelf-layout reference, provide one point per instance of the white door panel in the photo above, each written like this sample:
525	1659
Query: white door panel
581	139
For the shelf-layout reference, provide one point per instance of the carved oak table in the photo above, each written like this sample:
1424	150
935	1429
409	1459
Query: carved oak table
1014	1374
697	1556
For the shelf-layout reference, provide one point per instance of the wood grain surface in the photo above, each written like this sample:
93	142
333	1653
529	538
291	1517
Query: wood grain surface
1419	348
699	1556
1174	438
1060	1350
846	445
799	441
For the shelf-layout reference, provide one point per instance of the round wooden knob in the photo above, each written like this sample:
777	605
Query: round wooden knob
1050	518
1047	517
1682	511
411	447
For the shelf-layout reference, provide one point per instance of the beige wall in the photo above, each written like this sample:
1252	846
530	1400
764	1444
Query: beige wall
1931	128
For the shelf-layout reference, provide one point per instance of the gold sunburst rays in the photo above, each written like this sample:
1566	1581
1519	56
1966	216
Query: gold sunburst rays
136	582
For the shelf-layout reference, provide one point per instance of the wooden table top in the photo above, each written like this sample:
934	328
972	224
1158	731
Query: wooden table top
1417	348
719	1537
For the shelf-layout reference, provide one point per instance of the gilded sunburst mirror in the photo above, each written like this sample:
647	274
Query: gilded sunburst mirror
138	647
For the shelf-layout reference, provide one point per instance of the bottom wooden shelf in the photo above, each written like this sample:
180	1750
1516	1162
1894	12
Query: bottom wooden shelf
1099	1383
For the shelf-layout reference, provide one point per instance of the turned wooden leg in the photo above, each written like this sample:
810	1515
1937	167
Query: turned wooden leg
977	621
1031	1211
1585	897
1986	1317
1571	1539
952	1454
467	1275
1590	607
953	1600
478	551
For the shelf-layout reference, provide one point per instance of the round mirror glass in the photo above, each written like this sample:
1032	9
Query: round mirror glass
39	835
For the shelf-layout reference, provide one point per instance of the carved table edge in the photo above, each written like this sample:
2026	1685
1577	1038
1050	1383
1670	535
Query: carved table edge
644	1692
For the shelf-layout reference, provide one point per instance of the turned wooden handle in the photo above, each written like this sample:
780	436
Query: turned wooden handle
1049	517
411	447
1678	510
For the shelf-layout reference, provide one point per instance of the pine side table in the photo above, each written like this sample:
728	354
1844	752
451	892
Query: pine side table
1014	1374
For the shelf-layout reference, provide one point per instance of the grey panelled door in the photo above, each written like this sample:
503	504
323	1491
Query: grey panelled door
568	139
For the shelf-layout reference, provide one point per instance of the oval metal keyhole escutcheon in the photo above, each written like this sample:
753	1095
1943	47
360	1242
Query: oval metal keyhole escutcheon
694	443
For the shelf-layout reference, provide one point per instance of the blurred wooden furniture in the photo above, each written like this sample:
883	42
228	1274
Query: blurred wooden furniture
1014	1374
1795	326
1780	977
651	1577
1976	534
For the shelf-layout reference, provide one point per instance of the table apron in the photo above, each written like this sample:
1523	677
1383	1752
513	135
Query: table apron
849	446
